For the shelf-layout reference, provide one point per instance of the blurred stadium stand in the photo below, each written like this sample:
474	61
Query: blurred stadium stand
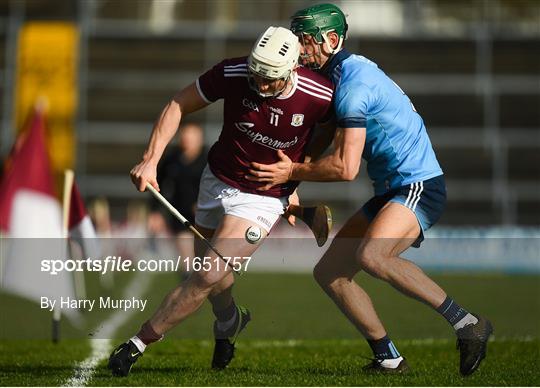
472	69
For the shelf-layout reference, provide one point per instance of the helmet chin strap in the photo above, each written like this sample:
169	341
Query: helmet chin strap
316	66
276	93
327	41
289	78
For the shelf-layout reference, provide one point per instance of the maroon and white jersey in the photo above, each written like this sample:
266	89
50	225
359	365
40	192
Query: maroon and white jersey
254	128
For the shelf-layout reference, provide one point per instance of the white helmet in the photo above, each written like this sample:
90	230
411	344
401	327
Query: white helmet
274	56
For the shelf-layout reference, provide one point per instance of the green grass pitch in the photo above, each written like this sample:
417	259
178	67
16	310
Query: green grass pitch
297	337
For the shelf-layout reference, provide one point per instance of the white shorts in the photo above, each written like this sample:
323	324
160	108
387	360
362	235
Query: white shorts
217	198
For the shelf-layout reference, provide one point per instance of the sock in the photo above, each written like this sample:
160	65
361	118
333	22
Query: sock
226	317
456	315
145	336
138	343
384	349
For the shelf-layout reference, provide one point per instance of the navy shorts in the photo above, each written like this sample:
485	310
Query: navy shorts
427	199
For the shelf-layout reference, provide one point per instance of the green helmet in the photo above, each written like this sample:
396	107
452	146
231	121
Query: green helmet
318	20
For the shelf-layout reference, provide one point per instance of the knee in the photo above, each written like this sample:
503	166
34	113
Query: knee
372	261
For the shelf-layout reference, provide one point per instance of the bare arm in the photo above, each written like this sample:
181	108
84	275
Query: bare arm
341	165
186	101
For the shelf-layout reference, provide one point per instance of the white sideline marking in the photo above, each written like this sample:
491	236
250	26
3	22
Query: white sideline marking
291	343
84	371
102	347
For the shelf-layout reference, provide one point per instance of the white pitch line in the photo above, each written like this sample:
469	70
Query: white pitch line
84	371
102	347
292	343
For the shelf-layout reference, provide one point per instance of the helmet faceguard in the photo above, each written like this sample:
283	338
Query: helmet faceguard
318	21
273	57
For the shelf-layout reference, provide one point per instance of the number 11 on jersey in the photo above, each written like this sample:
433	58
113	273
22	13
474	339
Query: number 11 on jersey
274	118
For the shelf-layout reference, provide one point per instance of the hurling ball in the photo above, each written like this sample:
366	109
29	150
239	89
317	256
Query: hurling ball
253	234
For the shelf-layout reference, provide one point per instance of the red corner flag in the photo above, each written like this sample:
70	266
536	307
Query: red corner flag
31	221
80	226
28	206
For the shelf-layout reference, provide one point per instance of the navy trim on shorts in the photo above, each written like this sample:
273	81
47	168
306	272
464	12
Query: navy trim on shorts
427	199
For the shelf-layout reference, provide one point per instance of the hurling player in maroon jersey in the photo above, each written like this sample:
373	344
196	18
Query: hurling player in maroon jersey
270	105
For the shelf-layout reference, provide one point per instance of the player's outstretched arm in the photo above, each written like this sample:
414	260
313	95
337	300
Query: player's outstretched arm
342	164
186	101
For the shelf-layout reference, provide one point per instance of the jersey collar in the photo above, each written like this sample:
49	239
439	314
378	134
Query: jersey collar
334	61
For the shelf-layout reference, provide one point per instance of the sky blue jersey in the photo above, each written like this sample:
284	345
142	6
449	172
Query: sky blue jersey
397	149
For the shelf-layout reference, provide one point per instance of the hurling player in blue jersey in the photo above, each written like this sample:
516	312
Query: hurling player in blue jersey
375	121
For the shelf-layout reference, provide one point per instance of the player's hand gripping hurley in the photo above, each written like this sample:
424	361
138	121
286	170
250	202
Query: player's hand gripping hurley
186	223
